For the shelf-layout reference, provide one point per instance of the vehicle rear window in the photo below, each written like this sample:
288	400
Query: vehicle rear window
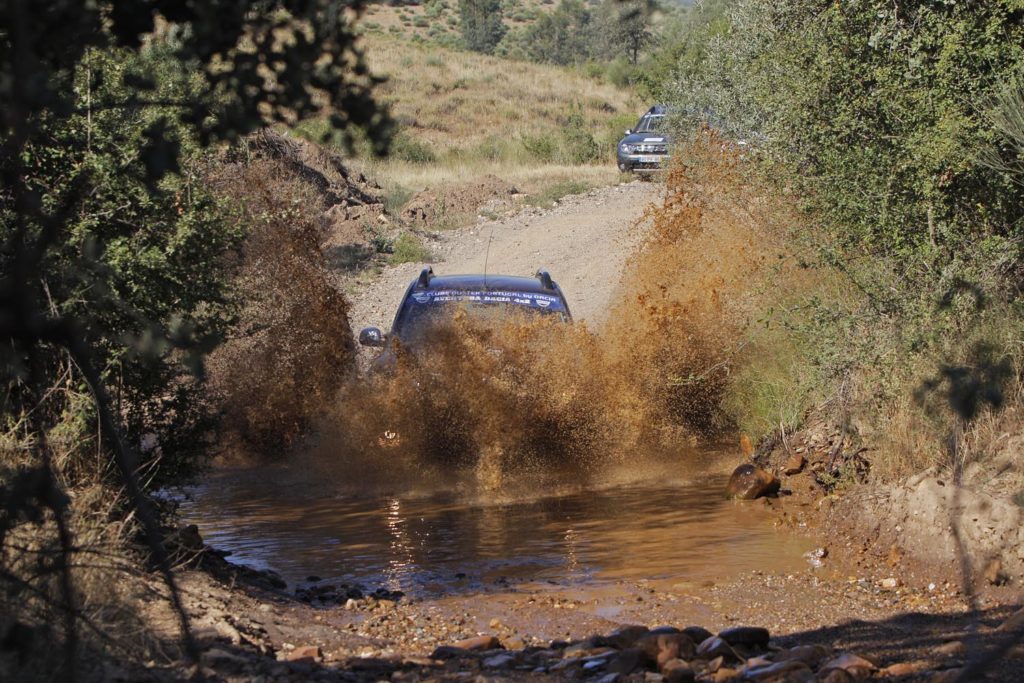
424	308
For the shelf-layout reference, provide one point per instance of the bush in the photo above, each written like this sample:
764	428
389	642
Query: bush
410	249
407	148
543	147
578	144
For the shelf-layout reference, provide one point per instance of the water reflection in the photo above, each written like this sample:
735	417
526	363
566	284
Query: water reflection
426	545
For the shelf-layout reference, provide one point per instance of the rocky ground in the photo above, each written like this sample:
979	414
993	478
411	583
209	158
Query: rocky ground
848	616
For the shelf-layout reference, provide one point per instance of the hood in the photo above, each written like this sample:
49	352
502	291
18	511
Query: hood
642	138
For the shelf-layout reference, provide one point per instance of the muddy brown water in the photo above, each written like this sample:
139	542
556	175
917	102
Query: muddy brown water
438	543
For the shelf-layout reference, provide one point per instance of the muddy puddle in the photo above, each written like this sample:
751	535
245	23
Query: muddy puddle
428	545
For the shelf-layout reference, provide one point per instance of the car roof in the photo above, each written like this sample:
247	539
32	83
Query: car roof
481	282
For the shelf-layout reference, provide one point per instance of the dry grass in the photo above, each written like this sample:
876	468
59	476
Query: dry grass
464	115
528	178
460	99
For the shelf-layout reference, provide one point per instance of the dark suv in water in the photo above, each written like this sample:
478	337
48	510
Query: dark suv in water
645	149
431	299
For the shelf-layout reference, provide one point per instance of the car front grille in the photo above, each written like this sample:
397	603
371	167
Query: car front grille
651	149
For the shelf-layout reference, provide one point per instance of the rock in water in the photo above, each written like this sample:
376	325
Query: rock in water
750	481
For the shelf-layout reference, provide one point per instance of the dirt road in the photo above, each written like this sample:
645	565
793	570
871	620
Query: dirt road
583	241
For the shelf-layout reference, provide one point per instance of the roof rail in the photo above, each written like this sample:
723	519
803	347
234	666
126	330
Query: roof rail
424	278
545	279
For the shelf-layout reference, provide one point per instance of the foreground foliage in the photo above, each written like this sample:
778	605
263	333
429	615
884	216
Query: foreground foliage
113	278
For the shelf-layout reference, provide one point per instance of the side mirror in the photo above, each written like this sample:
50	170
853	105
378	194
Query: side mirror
629	131
371	336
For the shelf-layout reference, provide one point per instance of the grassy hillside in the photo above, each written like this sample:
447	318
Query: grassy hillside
438	20
463	115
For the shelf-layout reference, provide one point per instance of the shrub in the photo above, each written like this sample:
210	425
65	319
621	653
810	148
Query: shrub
578	144
407	148
410	249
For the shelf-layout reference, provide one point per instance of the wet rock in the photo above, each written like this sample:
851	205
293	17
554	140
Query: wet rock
697	634
478	643
852	664
663	631
625	636
596	663
567	663
610	678
448	652
716	647
793	671
677	671
627	661
811	655
947	676
502	661
749	482
591	646
746	635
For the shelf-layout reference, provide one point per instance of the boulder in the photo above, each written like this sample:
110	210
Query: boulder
754	636
852	664
625	636
448	652
697	634
750	481
716	647
479	643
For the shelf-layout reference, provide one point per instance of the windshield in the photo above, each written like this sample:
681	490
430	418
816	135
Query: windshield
650	123
423	310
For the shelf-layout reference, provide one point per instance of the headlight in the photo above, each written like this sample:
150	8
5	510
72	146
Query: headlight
627	148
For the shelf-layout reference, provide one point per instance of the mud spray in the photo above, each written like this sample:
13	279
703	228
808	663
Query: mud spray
503	408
